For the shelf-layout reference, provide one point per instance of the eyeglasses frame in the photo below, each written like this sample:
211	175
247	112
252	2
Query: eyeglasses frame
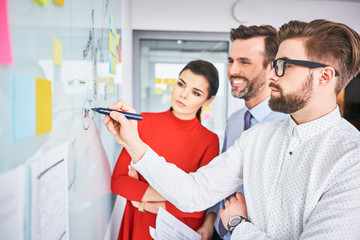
302	63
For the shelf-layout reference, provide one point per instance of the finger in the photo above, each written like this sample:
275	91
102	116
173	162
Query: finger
227	202
122	106
119	117
110	126
239	196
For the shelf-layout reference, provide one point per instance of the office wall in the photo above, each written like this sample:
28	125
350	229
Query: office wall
217	16
80	82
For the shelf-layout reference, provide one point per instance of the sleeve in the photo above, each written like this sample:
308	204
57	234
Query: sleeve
335	216
122	184
210	152
198	190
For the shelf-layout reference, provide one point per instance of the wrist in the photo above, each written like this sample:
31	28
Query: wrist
136	150
235	221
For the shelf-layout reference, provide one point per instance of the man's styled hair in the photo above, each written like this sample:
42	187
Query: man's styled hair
267	31
330	43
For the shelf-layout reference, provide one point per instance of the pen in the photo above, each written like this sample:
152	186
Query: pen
107	111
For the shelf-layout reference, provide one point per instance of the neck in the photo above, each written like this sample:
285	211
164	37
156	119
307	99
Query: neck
313	110
265	93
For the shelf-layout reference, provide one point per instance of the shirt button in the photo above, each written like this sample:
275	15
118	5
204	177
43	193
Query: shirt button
291	153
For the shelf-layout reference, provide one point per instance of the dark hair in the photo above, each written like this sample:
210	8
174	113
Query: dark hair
330	43
209	72
267	31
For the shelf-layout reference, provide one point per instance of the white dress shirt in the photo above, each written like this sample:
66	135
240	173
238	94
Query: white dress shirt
234	128
300	181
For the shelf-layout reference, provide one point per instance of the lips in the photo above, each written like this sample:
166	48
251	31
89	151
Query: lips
180	103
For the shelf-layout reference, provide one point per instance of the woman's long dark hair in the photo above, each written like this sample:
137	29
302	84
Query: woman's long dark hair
209	72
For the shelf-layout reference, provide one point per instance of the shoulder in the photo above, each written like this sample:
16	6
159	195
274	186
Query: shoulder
268	127
235	116
275	116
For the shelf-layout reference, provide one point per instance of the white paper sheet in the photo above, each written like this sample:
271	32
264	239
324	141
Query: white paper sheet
169	227
49	195
12	201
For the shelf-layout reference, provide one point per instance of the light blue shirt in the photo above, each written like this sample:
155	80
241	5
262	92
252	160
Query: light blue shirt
234	129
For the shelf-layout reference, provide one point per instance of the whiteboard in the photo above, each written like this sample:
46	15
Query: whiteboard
81	82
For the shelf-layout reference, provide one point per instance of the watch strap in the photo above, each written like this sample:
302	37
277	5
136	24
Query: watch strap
231	228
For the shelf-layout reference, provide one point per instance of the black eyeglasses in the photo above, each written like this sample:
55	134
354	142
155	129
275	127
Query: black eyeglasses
280	65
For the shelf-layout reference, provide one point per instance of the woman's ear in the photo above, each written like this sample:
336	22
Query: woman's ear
207	102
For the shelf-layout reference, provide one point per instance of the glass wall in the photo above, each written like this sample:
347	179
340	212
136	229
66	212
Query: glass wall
160	61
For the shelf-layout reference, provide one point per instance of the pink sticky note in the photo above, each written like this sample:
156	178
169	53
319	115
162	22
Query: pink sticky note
6	56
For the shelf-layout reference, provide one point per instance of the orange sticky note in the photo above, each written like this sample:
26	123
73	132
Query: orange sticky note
43	106
57	52
59	2
6	56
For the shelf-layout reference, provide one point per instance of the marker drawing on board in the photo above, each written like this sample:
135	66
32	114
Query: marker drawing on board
107	111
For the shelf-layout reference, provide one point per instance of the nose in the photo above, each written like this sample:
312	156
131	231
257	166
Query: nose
273	76
234	69
184	93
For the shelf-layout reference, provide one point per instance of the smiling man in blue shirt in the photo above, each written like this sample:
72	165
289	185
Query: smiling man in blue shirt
249	64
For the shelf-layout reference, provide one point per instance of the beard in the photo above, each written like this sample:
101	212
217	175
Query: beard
294	101
253	86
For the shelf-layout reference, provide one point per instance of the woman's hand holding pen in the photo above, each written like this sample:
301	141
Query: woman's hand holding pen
125	130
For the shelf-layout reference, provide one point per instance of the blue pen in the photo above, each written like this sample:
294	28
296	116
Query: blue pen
107	111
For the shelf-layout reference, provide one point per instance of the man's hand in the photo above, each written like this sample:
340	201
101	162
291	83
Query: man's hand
235	206
125	130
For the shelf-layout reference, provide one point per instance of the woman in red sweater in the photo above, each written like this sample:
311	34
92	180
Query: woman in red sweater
178	136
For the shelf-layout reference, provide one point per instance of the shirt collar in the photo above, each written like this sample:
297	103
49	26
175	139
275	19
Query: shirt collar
310	129
260	111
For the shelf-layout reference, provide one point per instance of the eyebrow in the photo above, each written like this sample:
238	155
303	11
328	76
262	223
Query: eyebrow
194	88
241	58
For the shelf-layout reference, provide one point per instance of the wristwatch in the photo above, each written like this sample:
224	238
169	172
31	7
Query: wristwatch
234	221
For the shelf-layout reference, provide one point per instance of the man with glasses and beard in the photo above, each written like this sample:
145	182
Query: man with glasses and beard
249	65
300	175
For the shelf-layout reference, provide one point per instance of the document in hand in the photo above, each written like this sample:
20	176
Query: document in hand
169	227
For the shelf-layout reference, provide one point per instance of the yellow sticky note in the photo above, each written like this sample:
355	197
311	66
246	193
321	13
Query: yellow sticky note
42	2
111	43
166	81
111	89
172	81
159	91
207	108
59	2
158	80
57	52
43	106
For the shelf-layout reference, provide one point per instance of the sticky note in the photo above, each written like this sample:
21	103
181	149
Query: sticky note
43	106
112	23
119	53
207	108
111	89
111	43
112	61
206	116
158	80
172	81
6	56
42	2
23	107
59	2
158	91
57	52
